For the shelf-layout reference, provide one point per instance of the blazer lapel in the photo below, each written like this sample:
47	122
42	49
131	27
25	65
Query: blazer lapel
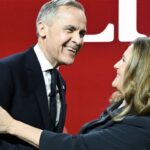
103	121
43	104
37	85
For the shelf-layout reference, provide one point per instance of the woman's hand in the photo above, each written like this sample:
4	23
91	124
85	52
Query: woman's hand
5	121
17	128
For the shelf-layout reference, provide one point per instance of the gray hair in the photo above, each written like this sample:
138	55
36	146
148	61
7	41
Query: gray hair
49	9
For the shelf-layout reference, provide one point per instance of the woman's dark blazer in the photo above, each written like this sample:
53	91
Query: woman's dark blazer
133	133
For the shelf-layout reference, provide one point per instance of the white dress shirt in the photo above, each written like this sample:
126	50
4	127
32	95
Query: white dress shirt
45	66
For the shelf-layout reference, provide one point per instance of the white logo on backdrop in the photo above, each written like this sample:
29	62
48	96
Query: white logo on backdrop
127	25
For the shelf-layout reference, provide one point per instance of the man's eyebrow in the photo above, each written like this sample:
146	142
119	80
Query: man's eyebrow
75	28
70	26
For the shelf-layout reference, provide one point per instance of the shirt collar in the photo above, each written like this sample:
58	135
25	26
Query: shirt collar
44	63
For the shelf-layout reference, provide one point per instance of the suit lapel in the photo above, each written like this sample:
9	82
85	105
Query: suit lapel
37	85
42	100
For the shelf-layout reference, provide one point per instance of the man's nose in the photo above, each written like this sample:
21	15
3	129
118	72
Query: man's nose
77	39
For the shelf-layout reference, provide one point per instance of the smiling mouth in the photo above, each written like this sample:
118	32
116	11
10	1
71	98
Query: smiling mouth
73	50
117	75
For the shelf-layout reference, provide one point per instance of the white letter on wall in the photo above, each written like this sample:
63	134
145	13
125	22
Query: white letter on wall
128	20
106	36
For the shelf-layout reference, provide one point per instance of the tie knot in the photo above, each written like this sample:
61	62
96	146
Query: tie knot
52	70
54	74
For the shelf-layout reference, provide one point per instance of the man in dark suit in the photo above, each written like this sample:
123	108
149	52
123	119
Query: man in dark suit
25	90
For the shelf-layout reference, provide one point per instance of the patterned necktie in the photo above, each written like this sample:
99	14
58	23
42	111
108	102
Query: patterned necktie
53	106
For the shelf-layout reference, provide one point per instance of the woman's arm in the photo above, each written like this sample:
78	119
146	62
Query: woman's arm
23	131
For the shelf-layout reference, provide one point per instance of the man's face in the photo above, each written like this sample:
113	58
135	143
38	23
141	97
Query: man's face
64	37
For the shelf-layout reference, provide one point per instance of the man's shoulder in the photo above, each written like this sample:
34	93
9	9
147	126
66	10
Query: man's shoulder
16	59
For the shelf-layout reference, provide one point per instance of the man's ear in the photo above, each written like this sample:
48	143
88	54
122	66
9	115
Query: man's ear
41	27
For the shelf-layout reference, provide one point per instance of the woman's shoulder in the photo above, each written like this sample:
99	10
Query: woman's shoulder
138	121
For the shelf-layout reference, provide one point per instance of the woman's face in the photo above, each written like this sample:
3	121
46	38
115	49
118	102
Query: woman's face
120	66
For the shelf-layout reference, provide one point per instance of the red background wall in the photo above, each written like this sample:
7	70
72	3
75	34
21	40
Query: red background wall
89	78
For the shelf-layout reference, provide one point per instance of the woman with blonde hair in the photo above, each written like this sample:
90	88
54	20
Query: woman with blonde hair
125	124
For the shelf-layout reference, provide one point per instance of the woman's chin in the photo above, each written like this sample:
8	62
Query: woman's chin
114	84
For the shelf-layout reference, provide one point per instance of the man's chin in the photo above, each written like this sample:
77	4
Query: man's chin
68	62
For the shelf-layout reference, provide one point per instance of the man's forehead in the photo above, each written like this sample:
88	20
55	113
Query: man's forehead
72	12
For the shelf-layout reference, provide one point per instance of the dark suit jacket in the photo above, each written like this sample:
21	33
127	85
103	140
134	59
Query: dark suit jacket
103	134
23	95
